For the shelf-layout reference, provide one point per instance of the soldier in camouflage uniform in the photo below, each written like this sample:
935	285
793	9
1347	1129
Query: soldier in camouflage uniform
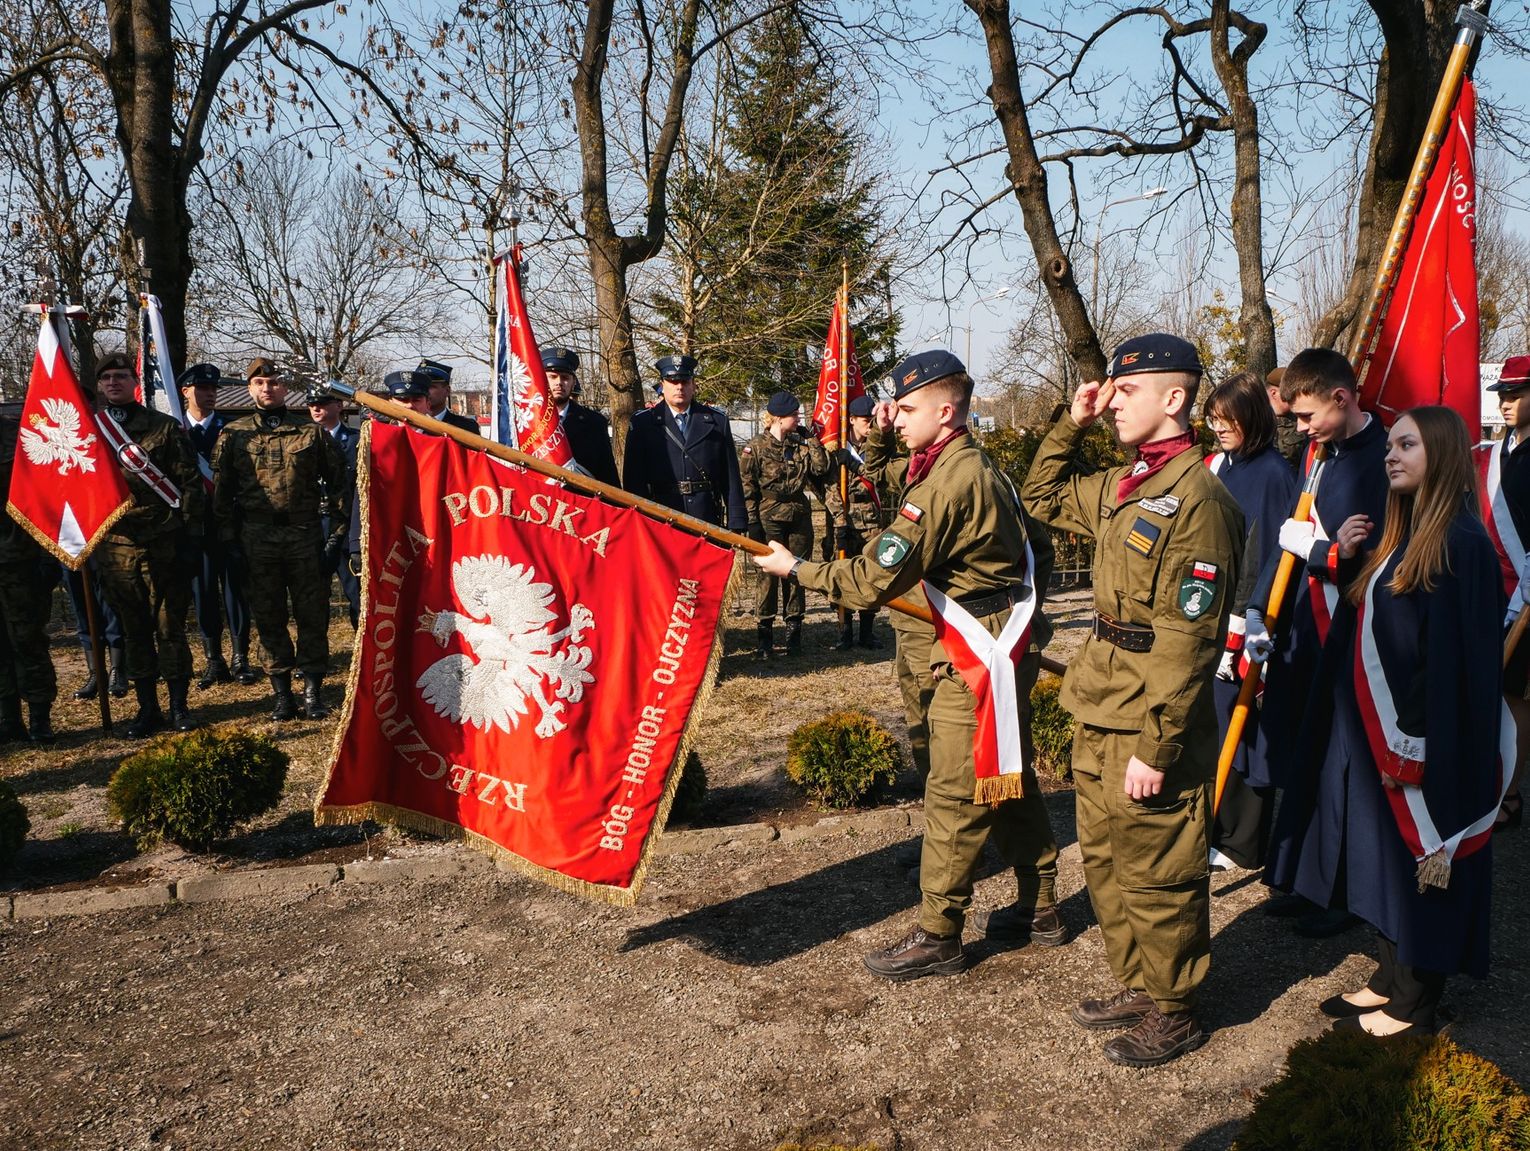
776	468
865	519
26	668
150	555
271	473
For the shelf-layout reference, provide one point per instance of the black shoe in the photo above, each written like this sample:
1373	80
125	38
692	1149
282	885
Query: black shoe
313	704
12	728
1041	925
40	725
917	954
1157	1039
846	637
149	718
764	641
1126	1008
215	670
243	673
1324	923
1286	905
117	683
180	712
1337	1007
87	690
794	637
281	687
869	638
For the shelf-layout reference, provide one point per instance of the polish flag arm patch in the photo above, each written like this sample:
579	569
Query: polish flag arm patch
911	512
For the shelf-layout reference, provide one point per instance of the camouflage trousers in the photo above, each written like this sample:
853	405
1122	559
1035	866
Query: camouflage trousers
797	536
287	564
151	593
26	668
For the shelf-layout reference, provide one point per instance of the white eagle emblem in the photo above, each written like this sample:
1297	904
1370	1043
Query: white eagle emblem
514	653
59	442
526	400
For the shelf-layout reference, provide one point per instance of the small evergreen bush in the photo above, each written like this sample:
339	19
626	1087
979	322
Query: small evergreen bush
14	825
691	792
843	758
1358	1093
1051	728
192	789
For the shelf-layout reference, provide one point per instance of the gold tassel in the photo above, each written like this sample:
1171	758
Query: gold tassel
998	788
1434	871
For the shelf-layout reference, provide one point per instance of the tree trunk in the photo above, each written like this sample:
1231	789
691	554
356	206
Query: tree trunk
1030	180
1256	323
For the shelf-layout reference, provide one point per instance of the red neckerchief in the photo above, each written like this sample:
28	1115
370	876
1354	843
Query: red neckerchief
920	463
1151	459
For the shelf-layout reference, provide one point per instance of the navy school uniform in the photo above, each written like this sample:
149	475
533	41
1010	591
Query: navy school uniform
1337	840
1504	471
348	439
1353	482
701	480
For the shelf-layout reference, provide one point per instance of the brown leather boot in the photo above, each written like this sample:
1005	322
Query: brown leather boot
917	953
1038	924
1126	1008
1157	1039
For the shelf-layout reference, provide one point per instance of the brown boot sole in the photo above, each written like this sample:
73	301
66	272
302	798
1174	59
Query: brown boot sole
944	967
1183	1047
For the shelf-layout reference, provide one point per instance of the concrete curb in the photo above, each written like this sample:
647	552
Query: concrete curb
305	879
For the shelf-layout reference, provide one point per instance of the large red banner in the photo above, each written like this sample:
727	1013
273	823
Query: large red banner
528	665
836	385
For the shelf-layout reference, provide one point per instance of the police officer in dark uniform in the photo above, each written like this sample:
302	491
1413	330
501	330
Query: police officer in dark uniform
681	454
324	409
217	591
411	389
589	435
438	377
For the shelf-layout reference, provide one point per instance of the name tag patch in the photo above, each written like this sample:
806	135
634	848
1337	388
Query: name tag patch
1160	505
892	549
1143	537
911	512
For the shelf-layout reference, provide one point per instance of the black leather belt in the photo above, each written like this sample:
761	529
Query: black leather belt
1122	635
989	602
693	488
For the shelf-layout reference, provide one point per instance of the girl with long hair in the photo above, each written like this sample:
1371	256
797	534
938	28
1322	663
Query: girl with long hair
1399	822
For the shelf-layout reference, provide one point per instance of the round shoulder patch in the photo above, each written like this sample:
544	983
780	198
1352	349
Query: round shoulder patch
892	549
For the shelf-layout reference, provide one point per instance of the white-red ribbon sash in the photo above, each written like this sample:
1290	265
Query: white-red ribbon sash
1495	514
135	460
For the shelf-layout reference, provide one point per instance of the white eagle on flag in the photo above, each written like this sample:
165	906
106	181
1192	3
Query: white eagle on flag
523	396
514	654
59	442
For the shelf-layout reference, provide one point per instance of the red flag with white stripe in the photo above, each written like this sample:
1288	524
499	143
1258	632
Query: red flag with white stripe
534	426
66	487
836	386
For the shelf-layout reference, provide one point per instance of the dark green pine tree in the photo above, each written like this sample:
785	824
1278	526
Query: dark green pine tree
761	218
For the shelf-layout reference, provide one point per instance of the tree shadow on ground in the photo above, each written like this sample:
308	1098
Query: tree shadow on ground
293	836
1217	1138
68	859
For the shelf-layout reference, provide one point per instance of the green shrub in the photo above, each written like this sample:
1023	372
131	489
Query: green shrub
691	792
1350	1091
14	825
192	789
842	758
1051	728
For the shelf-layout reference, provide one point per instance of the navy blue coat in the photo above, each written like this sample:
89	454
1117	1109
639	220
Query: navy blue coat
589	438
1266	490
1353	481
655	467
203	440
1336	839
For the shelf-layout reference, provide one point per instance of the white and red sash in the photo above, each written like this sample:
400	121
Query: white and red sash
986	664
1401	756
135	460
1495	513
1323	594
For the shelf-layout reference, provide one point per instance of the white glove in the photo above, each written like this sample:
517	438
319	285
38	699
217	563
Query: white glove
1296	537
1258	644
1227	666
1516	605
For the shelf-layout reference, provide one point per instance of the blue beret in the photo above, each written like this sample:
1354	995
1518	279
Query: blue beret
676	367
200	375
402	385
559	359
924	368
1156	352
861	406
782	404
434	370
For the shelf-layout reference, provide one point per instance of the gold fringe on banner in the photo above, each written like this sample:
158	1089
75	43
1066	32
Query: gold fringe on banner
336	816
998	788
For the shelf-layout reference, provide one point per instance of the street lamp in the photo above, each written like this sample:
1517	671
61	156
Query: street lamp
1094	279
999	295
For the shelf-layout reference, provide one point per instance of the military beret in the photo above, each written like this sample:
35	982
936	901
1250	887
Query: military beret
676	367
1514	375
924	368
200	376
403	384
560	359
434	370
1156	352
261	366
861	406
782	404
115	362
1272	379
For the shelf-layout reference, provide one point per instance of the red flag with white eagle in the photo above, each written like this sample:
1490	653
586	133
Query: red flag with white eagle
522	414
1426	348
66	487
835	386
528	667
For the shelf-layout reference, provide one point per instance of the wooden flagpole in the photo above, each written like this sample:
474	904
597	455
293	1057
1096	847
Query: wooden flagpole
843	300
1471	21
590	485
